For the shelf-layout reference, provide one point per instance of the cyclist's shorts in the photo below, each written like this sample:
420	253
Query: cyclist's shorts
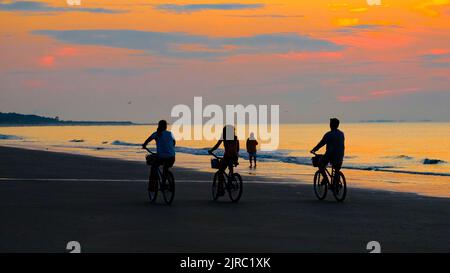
166	162
228	162
336	164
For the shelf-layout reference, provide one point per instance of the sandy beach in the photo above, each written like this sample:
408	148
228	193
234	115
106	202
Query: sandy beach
49	199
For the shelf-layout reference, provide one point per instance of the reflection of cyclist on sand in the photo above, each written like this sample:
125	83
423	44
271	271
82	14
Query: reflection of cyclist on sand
231	155
334	140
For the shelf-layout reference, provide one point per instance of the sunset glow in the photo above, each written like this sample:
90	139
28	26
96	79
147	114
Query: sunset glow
379	55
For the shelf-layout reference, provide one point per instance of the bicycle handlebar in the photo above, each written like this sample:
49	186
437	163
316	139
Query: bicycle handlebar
235	164
213	154
148	150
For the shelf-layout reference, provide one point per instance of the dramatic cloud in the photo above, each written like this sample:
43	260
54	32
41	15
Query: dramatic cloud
200	7
436	54
358	10
378	94
49	61
393	92
32	6
266	16
366	27
346	22
436	58
183	45
372	26
312	55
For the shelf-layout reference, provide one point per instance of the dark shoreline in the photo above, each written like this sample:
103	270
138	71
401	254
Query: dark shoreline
17	119
78	199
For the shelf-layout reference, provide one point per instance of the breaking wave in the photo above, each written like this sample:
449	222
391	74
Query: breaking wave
9	137
285	156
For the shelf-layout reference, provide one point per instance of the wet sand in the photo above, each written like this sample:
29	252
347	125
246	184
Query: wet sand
49	199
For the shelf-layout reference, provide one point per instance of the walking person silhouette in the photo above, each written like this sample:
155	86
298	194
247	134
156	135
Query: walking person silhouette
251	149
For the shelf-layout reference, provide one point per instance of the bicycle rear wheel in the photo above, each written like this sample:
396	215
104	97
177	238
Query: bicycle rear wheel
235	187
215	186
152	188
320	186
169	190
340	187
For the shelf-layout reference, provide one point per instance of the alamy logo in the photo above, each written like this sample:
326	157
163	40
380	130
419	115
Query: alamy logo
73	2
248	119
74	247
374	247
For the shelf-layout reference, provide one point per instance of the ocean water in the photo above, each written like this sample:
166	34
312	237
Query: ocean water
378	155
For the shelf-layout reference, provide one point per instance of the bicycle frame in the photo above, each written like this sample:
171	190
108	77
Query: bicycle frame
232	181
339	189
331	175
159	172
230	167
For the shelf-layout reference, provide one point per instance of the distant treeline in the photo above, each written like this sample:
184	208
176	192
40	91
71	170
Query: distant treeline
391	121
21	119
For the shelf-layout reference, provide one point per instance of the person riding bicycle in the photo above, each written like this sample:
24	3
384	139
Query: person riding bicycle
231	155
165	148
334	141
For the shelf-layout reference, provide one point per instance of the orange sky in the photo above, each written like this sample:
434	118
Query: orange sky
67	60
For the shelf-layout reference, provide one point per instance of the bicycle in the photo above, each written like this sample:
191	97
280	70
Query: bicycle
232	181
165	181
321	185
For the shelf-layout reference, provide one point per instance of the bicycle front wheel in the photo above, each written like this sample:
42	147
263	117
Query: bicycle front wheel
340	187
169	188
218	177
320	186
235	187
152	188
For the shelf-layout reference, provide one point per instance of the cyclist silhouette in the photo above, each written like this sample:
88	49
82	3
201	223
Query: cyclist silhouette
231	155
335	147
165	148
